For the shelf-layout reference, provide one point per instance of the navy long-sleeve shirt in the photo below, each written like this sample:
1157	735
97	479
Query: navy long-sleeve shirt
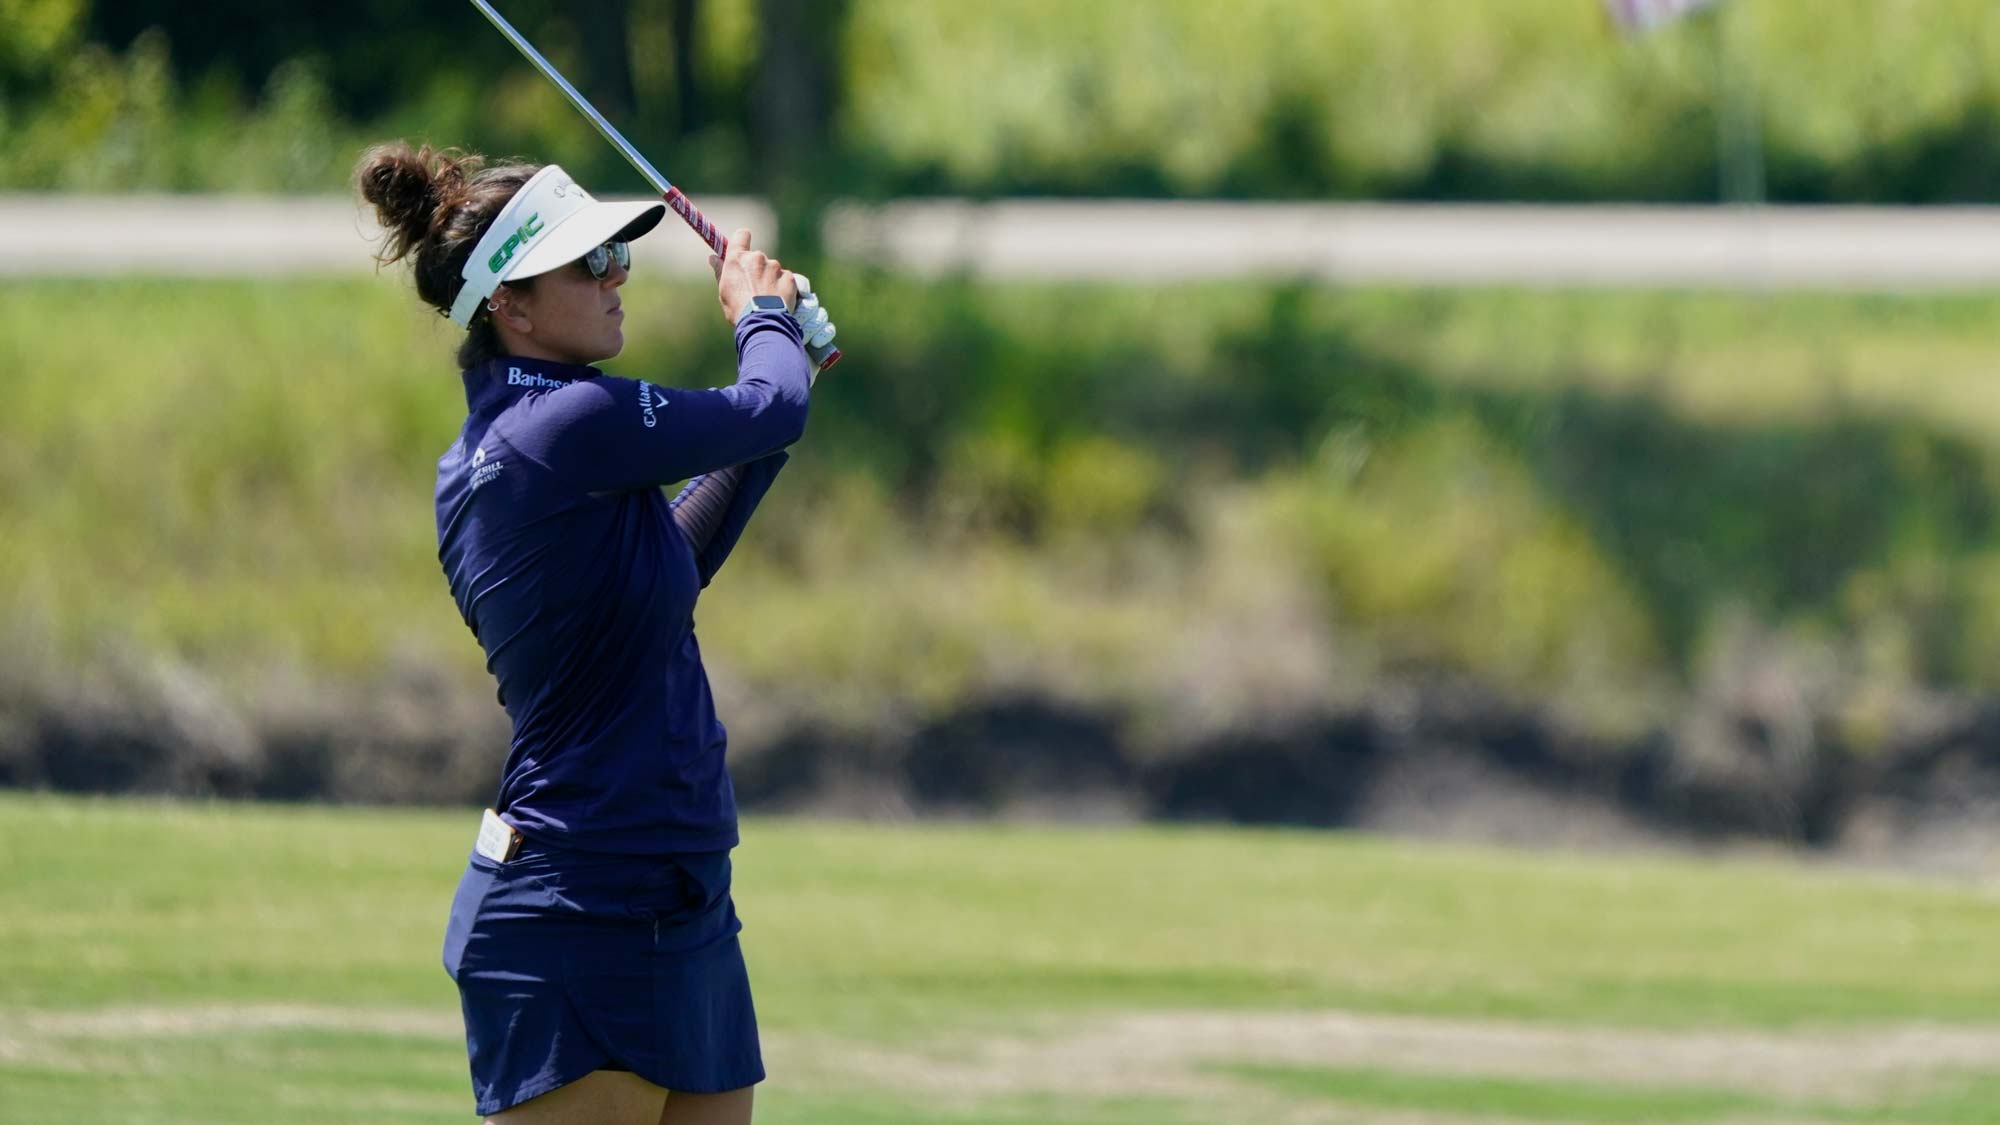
565	559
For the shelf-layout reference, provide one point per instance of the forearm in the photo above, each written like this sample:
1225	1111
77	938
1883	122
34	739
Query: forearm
713	515
609	434
702	504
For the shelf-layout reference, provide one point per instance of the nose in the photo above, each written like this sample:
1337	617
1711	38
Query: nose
617	275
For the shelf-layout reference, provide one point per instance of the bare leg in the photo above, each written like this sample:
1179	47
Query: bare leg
732	1108
602	1097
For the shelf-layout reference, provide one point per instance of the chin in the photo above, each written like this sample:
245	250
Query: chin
602	350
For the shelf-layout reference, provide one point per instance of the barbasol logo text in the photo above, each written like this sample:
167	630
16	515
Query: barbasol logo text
519	378
650	398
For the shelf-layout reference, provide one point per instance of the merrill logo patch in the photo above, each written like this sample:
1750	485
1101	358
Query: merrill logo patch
483	471
519	378
650	399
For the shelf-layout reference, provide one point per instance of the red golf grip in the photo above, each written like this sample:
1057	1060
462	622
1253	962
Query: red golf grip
694	218
822	358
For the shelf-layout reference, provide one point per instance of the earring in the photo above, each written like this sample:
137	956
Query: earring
492	306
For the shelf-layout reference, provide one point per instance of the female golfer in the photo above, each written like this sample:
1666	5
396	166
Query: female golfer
592	937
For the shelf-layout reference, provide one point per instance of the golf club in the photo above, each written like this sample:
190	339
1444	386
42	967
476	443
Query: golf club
822	357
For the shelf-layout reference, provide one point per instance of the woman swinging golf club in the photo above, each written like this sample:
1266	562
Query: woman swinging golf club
593	937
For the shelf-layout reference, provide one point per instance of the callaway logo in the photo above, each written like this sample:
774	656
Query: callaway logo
514	242
650	397
519	378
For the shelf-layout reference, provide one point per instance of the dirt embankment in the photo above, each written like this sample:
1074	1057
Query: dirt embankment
1436	759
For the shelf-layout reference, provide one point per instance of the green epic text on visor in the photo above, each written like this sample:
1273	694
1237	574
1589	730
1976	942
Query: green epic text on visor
514	242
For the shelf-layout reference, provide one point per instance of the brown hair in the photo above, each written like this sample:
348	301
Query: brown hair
434	204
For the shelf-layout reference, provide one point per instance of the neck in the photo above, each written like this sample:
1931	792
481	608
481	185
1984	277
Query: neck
529	349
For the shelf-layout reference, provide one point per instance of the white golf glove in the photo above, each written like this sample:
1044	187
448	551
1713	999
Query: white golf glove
813	321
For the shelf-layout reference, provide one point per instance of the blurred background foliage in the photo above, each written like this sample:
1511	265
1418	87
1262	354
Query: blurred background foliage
1456	99
1744	540
1282	502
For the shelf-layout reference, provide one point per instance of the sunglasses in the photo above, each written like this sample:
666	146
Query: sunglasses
599	260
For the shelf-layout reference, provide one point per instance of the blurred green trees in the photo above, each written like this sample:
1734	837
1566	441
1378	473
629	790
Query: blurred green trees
1026	487
33	33
1454	99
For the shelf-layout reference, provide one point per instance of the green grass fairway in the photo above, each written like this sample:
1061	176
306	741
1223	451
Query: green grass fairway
226	963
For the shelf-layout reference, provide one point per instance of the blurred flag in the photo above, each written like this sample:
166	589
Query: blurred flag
1645	15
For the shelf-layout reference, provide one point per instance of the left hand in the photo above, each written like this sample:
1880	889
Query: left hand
813	321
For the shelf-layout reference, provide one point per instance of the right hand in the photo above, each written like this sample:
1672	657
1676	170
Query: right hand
742	273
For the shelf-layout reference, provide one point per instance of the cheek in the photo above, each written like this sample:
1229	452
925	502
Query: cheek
580	321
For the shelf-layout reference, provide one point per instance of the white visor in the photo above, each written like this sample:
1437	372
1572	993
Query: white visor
549	223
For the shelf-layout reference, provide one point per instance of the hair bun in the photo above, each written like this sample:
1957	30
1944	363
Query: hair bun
409	189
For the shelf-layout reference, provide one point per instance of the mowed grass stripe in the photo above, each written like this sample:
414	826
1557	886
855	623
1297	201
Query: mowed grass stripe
885	938
1514	1098
308	1077
870	928
302	1076
1966	1100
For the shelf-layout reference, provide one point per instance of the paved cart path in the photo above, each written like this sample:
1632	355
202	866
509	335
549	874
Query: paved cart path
1841	248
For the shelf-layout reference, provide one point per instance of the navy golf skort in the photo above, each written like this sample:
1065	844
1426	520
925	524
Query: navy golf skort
569	962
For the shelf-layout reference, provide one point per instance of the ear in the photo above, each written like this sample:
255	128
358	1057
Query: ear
512	313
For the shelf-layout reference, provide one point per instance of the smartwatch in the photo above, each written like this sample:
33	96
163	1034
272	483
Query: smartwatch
763	302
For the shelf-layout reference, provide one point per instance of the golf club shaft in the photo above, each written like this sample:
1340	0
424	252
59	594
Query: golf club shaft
582	104
822	358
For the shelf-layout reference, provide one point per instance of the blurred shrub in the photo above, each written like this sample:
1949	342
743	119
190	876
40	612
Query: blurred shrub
1102	488
293	140
34	37
1453	99
1279	500
117	122
101	126
1441	546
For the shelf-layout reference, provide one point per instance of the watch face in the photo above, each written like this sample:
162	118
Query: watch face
769	304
